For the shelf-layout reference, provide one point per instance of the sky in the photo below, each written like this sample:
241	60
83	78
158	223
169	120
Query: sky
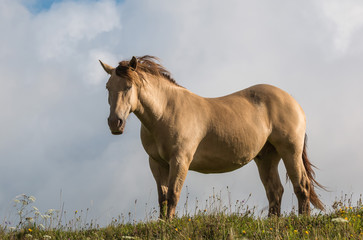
55	143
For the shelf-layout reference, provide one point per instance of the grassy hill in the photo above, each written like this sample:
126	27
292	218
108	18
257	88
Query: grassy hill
344	221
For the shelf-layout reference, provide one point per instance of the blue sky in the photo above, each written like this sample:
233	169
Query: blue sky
54	133
37	6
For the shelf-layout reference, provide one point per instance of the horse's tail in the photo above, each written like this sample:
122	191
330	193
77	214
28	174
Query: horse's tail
314	199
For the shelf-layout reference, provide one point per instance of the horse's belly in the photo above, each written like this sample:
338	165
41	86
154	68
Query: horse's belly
215	164
217	155
219	160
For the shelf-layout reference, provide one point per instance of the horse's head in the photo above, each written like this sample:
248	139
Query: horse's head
122	93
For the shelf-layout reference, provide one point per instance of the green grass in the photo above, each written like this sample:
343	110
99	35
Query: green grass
344	221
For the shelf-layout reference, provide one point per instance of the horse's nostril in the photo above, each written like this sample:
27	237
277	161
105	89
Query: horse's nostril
119	122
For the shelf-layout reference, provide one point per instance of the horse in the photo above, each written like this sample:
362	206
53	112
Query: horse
182	131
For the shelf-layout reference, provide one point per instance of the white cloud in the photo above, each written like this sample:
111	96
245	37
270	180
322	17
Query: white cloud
346	18
64	29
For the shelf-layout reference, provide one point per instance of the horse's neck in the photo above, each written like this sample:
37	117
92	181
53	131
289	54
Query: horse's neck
153	99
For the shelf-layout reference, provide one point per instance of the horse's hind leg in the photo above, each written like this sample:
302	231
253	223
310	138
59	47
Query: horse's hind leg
267	162
161	175
292	156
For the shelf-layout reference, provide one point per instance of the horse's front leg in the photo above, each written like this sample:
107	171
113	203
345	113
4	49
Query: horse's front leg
161	175
178	170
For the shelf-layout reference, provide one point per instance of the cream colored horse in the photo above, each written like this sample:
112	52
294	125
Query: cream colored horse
182	131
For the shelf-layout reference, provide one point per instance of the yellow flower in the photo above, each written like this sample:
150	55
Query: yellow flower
271	229
30	230
358	215
244	232
176	229
295	231
189	219
307	232
346	218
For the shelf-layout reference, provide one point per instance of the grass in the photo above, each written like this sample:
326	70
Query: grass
344	221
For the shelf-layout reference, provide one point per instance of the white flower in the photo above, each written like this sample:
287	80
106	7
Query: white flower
32	198
50	211
41	226
21	196
16	201
12	228
47	237
45	216
340	220
35	208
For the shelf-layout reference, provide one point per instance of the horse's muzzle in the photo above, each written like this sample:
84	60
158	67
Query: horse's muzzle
117	125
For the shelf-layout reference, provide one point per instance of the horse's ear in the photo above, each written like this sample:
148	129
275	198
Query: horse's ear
133	63
106	67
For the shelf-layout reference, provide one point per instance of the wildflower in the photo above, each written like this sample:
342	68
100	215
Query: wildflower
46	216
358	215
50	211
189	220
16	201
271	229
176	229
30	230
47	237
12	228
295	231
340	220
28	236
35	208
244	232
41	226
307	232
32	199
